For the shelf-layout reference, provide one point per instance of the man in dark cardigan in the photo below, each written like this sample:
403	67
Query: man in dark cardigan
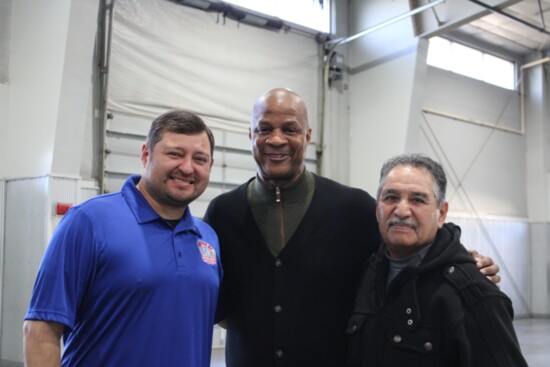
293	245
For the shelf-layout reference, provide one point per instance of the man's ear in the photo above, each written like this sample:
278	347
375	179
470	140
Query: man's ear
144	154
442	215
377	215
308	135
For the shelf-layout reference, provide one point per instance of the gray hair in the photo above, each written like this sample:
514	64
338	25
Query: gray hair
417	161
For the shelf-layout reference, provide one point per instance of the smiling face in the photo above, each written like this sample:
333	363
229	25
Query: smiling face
176	172
407	211
279	133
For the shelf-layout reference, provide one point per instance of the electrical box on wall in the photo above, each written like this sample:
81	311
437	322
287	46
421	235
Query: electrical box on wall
336	68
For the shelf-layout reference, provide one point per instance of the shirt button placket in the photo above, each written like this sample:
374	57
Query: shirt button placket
277	309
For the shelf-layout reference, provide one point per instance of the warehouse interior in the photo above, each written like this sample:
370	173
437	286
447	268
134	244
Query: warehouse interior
80	82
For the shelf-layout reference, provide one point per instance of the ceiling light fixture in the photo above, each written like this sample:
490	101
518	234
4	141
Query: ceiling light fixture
204	5
252	19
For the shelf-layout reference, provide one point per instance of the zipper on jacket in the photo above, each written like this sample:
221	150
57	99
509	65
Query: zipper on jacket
279	201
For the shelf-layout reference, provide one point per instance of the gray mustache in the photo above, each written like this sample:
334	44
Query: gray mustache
403	222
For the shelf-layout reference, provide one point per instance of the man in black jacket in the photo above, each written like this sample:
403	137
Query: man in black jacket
293	245
422	301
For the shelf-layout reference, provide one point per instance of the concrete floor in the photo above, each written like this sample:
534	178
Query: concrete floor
533	335
534	339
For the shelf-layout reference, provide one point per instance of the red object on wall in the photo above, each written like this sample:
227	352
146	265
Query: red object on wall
62	208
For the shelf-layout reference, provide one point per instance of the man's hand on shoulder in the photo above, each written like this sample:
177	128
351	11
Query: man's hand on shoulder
486	266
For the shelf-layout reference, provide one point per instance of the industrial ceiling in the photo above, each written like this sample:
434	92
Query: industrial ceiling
519	29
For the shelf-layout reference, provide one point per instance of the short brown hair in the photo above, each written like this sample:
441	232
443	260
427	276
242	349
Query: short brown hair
178	122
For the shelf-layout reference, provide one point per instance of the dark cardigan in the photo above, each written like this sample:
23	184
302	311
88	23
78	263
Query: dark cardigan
292	310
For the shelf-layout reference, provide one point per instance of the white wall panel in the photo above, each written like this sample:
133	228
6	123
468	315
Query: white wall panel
198	207
75	99
489	165
540	268
2	238
30	220
88	189
234	140
211	192
5	23
125	145
236	160
4	115
26	227
62	190
129	123
230	176
218	339
507	242
114	182
217	174
383	92
122	163
36	75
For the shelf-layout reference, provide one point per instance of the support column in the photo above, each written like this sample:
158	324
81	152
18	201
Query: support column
537	132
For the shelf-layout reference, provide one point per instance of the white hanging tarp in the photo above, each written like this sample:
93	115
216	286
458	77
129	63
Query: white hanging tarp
167	55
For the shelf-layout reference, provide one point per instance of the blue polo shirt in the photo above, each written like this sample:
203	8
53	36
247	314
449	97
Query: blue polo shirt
131	290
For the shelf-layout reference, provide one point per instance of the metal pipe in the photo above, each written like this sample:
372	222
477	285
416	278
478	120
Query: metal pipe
340	41
535	63
471	121
331	46
104	53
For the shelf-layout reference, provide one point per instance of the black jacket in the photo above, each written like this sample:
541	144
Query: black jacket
292	310
441	313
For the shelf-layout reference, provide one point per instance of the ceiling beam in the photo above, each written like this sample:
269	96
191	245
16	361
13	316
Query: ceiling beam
501	12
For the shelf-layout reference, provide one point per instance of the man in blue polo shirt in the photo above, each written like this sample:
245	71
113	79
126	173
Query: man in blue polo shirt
131	278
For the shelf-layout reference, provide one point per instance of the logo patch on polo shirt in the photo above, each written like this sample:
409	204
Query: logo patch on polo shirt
207	252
